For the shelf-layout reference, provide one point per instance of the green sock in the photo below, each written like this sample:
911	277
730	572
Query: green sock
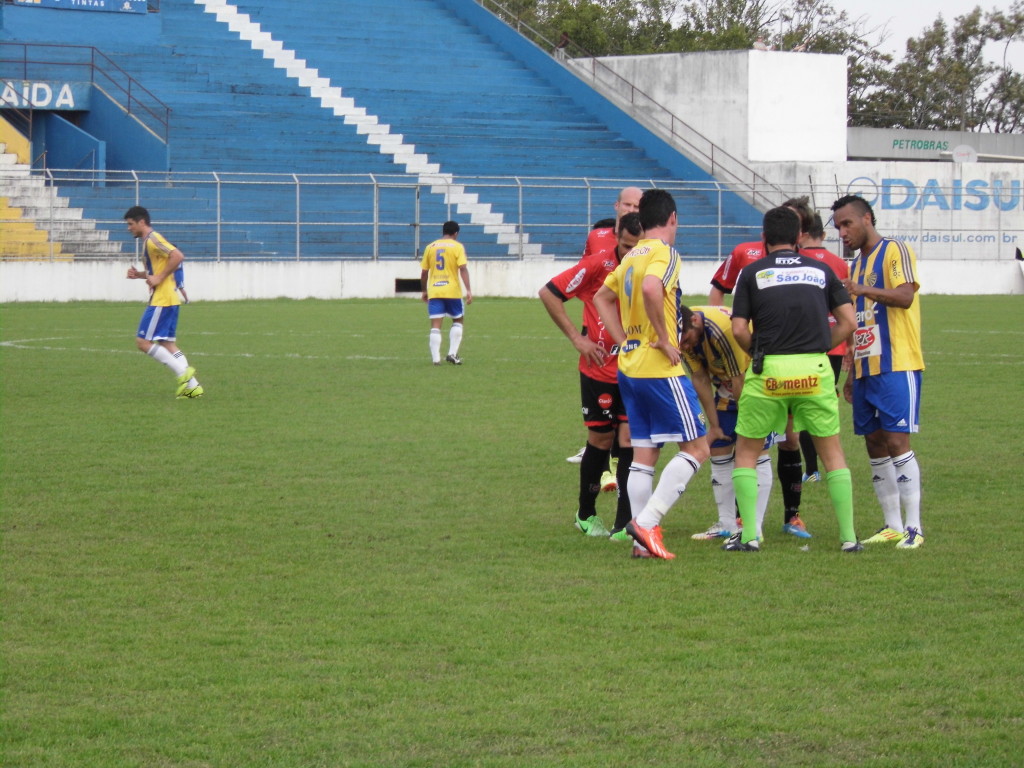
840	489
744	481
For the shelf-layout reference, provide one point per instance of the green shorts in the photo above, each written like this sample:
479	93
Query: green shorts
803	385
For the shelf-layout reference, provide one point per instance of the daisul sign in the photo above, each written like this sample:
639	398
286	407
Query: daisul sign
959	195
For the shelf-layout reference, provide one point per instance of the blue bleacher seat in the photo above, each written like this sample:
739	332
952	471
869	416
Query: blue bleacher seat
451	91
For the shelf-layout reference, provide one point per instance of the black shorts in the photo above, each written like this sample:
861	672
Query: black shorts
837	366
602	405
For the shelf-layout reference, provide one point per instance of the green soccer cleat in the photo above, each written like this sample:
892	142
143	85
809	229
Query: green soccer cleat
912	539
184	379
592	526
883	536
191	394
620	535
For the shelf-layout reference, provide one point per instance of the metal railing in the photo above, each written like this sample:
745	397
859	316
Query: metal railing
232	216
235	216
646	110
29	61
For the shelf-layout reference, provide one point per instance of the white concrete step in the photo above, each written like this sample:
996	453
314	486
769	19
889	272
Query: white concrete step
46	203
61	233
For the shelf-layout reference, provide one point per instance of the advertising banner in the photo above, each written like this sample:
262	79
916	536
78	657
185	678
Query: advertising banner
115	6
945	210
55	95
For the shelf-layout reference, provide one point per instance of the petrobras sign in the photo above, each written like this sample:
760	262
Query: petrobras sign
56	95
901	194
115	6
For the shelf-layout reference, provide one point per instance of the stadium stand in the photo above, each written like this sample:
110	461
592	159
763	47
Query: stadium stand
414	77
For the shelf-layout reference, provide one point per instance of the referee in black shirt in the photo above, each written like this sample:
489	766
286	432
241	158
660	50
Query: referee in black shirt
787	298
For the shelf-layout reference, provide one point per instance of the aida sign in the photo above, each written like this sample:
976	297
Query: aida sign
44	94
115	6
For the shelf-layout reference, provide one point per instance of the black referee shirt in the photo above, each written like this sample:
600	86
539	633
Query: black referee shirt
788	299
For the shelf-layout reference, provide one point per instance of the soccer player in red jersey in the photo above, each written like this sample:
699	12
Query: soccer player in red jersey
602	237
604	414
811	244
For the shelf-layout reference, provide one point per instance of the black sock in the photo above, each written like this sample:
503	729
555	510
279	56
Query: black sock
595	461
810	452
791	475
623	512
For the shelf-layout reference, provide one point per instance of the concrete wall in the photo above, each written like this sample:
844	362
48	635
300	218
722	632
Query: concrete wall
753	104
207	281
796	106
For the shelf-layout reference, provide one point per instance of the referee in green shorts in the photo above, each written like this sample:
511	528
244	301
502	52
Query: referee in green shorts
799	310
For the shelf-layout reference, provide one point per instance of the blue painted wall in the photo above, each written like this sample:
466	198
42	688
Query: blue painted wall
71	27
130	145
67	145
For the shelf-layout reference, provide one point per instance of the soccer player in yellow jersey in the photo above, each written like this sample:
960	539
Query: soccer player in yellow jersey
444	261
660	400
885	385
717	362
157	334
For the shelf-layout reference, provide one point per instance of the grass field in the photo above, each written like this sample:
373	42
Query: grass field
343	556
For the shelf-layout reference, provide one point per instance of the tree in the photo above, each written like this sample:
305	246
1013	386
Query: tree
723	25
940	83
1004	99
604	27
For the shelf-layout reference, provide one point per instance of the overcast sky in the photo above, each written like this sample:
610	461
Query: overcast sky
908	19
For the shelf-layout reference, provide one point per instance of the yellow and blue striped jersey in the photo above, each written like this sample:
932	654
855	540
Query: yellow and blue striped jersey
887	338
718	352
637	358
442	259
156	250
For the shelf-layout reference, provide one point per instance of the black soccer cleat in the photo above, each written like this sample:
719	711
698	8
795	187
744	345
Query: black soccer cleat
735	544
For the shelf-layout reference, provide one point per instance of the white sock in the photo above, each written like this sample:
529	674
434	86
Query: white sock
162	355
765	480
435	345
722	488
883	477
639	487
674	477
908	481
180	357
454	338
